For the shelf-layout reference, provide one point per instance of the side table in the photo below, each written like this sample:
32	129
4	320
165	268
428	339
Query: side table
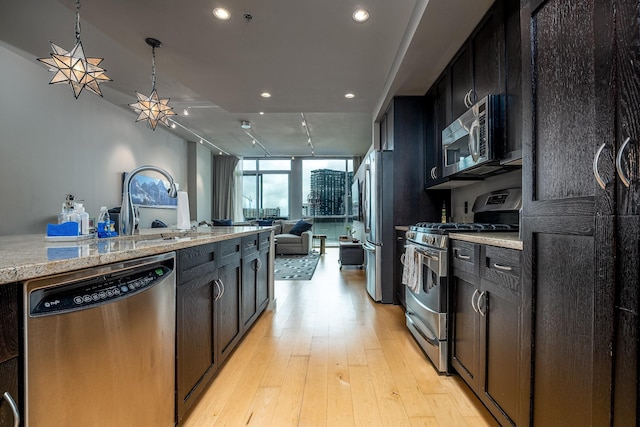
351	253
322	238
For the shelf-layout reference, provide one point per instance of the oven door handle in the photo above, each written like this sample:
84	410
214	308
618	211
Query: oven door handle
427	255
433	341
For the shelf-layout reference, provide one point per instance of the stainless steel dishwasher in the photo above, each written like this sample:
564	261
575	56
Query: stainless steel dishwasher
100	346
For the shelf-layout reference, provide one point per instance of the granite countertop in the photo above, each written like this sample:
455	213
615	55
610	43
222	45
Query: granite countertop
502	239
29	256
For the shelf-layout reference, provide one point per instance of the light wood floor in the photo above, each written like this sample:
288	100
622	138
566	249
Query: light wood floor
329	356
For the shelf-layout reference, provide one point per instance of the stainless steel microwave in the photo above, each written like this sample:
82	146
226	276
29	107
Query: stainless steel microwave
472	144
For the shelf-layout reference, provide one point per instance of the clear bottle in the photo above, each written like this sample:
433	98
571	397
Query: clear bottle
63	216
104	223
84	218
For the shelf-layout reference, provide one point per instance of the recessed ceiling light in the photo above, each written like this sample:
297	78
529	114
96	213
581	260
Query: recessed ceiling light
221	13
265	95
262	113
349	95
360	15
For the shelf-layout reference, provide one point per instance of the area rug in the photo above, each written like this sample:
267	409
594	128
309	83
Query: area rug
295	267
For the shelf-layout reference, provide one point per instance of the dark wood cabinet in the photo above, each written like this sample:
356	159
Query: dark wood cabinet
400	288
513	98
438	117
402	169
9	351
580	224
503	362
208	323
229	318
196	352
465	321
488	47
461	70
255	273
250	266
487	323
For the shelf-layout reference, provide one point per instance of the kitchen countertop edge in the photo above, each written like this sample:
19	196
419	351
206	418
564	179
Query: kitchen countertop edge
501	239
25	257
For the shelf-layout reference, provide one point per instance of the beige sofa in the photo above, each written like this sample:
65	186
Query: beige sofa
287	243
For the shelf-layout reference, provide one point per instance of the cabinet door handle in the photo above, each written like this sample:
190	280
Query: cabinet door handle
402	258
217	297
222	286
621	174
434	172
502	267
258	265
482	294
596	173
473	298
14	408
464	257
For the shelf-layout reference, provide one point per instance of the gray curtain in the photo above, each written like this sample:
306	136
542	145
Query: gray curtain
223	186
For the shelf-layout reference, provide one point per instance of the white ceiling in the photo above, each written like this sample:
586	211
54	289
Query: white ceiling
307	53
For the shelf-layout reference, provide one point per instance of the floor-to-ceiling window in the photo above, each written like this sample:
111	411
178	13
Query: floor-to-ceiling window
265	188
326	195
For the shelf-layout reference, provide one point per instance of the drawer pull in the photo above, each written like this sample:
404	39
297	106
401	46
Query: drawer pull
464	257
502	267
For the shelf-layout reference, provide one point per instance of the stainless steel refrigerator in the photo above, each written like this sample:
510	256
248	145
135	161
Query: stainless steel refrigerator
378	219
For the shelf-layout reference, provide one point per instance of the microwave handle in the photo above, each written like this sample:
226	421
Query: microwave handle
474	144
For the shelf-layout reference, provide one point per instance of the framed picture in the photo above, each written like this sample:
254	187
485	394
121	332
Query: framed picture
150	192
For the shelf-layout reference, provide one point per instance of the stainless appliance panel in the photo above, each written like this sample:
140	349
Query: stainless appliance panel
472	143
109	364
373	285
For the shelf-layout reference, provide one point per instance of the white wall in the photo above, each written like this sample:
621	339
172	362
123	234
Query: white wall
52	144
469	193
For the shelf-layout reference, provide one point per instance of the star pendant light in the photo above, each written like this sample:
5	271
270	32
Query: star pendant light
73	67
153	108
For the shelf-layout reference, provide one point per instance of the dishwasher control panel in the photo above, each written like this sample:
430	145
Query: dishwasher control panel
99	290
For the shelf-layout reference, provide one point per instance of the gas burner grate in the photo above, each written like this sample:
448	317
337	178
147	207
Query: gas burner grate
456	226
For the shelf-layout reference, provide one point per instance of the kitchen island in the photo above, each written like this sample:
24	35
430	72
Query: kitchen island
224	282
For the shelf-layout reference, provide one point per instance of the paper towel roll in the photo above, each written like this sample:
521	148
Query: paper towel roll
183	221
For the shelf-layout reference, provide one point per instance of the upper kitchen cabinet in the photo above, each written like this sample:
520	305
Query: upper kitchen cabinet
461	70
581	65
479	68
438	116
489	63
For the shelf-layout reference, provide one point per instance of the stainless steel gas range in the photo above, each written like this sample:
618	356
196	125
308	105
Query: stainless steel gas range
426	270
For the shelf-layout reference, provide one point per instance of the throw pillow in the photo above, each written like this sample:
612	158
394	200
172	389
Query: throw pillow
300	227
222	222
264	222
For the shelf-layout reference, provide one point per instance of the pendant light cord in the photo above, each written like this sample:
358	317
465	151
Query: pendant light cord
153	68
77	20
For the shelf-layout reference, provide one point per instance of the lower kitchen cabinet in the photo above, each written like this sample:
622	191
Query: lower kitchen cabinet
255	277
399	288
207	316
487	324
196	292
228	305
9	351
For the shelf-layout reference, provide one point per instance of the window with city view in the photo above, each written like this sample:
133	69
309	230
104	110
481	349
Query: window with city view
326	188
265	188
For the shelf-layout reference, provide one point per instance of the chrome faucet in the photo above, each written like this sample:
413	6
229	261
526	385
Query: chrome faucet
128	218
